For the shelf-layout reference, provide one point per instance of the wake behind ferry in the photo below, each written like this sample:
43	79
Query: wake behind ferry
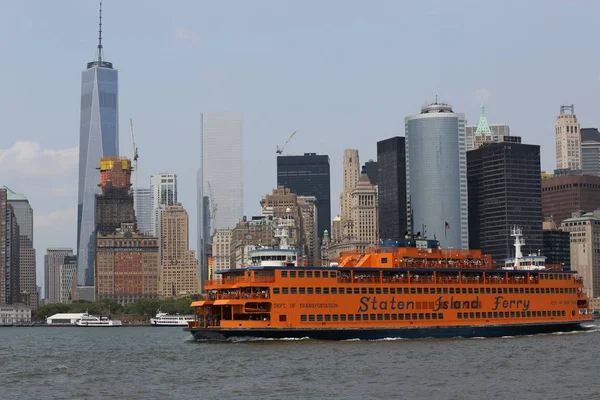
414	290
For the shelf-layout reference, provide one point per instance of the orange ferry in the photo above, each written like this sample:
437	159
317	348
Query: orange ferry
413	291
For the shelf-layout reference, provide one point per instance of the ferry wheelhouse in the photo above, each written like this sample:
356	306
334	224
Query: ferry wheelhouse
414	290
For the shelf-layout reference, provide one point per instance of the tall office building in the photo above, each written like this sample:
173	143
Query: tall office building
179	267
568	139
143	210
54	258
221	251
556	245
391	188
483	132
308	175
590	151
282	203
219	179
436	175
567	194
310	220
371	169
351	172
27	273
67	278
98	137
10	291
504	191
164	193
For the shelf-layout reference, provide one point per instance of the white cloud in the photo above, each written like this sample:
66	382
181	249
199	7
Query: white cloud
28	159
55	219
185	34
482	94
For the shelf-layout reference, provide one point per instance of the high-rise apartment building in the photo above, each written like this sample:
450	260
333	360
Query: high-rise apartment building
98	137
10	291
164	193
308	175
127	266
436	175
221	251
143	210
179	267
68	280
568	139
590	151
391	188
564	195
27	266
219	179
114	205
483	132
504	191
54	258
585	249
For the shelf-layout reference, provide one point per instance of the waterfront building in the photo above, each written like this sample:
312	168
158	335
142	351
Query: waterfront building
566	194
221	251
85	293
27	265
391	188
10	291
220	185
143	210
54	258
309	208
164	193
68	280
15	314
483	132
308	175
556	245
504	191
98	137
590	151
568	139
436	175
114	205
179	267
585	249
127	266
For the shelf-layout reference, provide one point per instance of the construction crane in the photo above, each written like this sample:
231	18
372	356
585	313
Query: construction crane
212	211
135	158
280	150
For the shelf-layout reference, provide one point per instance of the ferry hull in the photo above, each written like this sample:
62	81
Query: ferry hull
384	333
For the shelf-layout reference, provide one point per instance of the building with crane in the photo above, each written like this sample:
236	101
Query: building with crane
280	150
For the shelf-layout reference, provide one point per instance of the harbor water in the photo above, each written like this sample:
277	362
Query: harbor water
164	363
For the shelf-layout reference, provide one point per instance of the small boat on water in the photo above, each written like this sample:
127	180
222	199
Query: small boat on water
92	321
164	319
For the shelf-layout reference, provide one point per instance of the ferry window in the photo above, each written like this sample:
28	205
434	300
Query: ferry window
393	291
311	318
317	274
406	290
326	290
445	290
342	317
477	315
510	290
310	290
537	290
551	277
320	318
471	315
332	274
529	313
325	274
379	317
434	316
413	291
493	290
394	317
552	290
521	290
495	314
547	290
309	274
342	291
487	290
512	314
440	316
371	290
407	317
302	290
303	318
385	290
294	290
282	318
427	316
543	313
562	290
526	290
563	313
459	315
401	317
523	314
501	314
419	291
464	291
276	290
327	317
425	290
451	290
378	291
335	317
284	274
470	290
363	290
318	290
350	317
438	290
414	316
300	274
334	290
356	290
284	290
373	317
292	274
476	290
384	260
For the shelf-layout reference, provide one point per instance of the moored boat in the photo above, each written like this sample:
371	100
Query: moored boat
164	319
93	321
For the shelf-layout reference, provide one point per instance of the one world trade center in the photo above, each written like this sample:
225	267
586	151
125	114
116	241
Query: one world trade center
98	137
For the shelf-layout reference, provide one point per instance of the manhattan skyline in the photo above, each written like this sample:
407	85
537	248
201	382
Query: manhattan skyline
344	78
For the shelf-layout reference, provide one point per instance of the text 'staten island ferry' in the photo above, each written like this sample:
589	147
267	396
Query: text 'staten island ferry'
412	291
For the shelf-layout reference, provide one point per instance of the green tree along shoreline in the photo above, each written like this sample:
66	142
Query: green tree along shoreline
143	307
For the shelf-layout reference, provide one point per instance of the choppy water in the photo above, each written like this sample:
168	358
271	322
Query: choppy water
163	363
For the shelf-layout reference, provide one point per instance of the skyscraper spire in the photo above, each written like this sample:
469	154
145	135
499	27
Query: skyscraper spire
482	109
100	36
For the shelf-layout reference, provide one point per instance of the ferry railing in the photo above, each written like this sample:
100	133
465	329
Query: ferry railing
238	280
449	280
241	296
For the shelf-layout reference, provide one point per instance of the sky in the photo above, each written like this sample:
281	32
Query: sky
344	74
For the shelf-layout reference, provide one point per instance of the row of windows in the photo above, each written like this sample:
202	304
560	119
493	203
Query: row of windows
511	314
308	274
557	277
370	317
412	290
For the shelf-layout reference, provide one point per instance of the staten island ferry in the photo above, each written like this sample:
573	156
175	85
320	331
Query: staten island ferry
413	289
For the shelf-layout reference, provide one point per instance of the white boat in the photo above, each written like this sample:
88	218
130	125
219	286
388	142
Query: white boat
92	321
164	319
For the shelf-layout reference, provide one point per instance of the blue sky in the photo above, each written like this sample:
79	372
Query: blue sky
344	74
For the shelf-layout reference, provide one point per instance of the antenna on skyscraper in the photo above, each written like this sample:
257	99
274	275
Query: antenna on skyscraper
135	158
100	36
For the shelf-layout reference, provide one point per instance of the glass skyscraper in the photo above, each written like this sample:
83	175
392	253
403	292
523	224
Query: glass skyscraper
98	137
